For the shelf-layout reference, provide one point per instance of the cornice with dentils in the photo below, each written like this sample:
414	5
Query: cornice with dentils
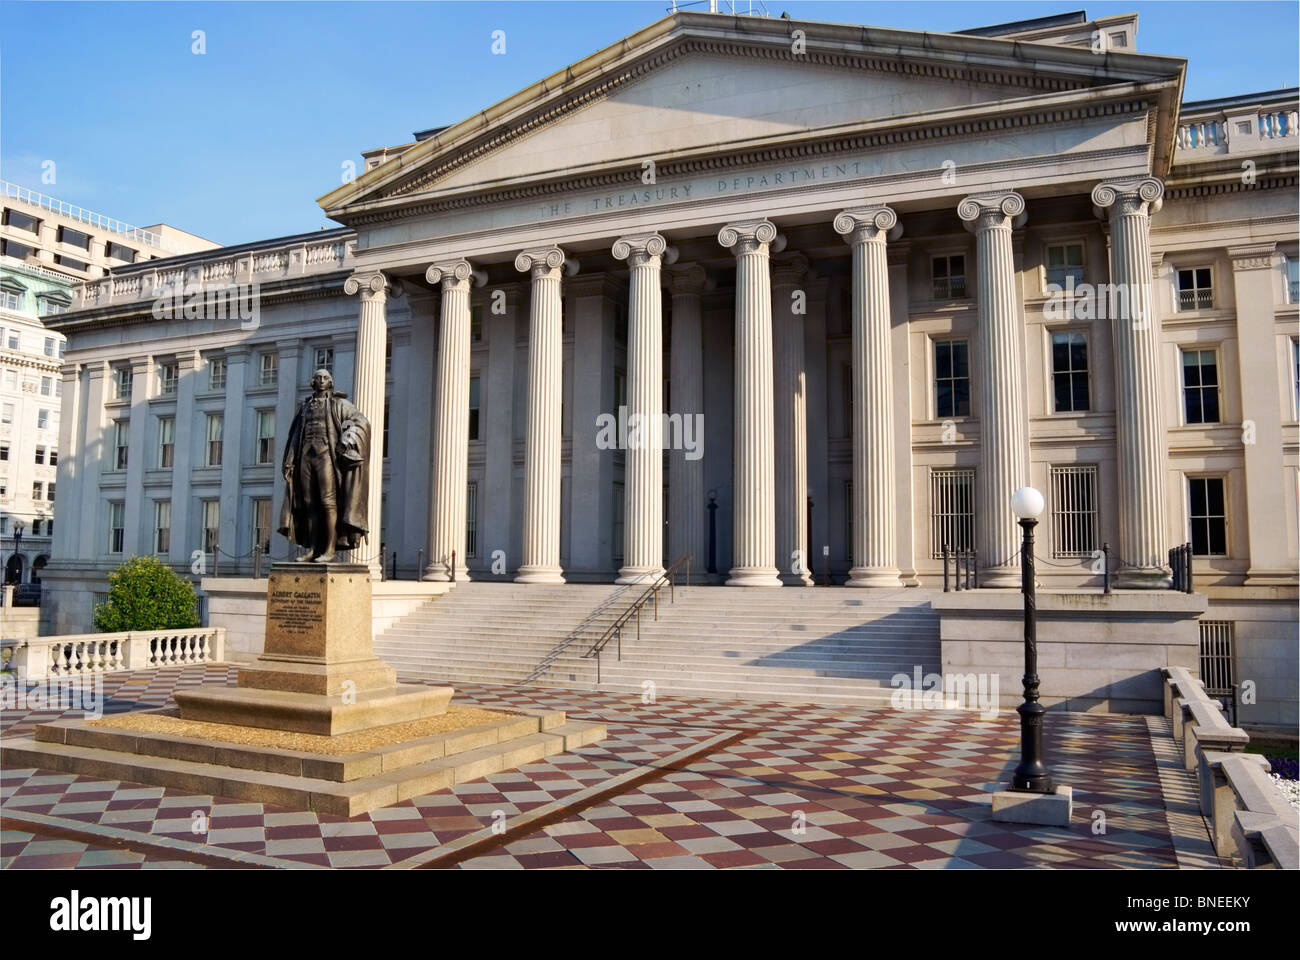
1036	66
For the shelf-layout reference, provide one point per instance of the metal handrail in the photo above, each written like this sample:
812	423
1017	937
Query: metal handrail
615	629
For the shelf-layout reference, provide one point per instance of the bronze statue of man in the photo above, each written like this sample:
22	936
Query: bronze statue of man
325	475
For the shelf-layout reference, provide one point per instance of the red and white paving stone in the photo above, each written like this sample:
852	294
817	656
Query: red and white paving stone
783	786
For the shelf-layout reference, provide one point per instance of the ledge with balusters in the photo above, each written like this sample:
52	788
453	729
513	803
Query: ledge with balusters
82	655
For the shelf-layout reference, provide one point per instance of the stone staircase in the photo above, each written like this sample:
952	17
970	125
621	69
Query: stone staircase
814	645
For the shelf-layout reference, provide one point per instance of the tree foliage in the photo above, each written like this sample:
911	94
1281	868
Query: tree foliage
145	594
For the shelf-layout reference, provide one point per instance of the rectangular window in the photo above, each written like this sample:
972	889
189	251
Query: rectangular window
1207	516
1074	511
951	379
15	341
166	442
1200	386
4	489
21	221
471	521
269	369
1295	370
216	424
74	238
4	451
848	520
1216	656
266	435
616	538
949	277
40	456
384	445
1292	280
49	307
1195	290
952	510
49	346
262	523
322	359
54	457
116	526
7	413
70	262
217	373
388	357
121	441
123	382
19	251
473	407
36	491
49	492
1070	372
476	324
168	374
42	419
118	251
1064	260
11	380
162	526
211	525
47	386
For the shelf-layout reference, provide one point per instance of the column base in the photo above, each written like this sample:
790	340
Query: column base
1000	577
438	572
873	577
646	575
796	579
1269	578
753	577
537	573
1143	578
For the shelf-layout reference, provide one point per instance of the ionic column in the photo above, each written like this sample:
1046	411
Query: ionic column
754	551
451	423
1139	425
790	425
541	540
1004	447
687	524
875	549
369	381
643	503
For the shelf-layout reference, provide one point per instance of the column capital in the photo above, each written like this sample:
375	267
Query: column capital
790	271
686	278
751	236
188	359
1254	256
1138	195
453	273
141	364
545	261
867	224
371	284
643	248
987	211
70	370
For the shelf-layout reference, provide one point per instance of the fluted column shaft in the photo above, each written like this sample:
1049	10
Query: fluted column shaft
368	395
1004	447
875	549
451	424
643	472
754	547
790	427
687	524
541	539
1139	425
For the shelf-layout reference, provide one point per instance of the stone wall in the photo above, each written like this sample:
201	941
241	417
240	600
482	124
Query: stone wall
1096	652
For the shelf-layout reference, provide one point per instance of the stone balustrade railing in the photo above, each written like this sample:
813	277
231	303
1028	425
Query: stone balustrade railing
1221	133
85	654
256	266
1251	823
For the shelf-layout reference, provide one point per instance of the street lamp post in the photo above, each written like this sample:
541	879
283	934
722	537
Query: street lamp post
1031	774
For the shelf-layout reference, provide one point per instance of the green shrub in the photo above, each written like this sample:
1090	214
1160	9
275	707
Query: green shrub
144	594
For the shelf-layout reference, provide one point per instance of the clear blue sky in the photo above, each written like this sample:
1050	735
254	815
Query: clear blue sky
236	144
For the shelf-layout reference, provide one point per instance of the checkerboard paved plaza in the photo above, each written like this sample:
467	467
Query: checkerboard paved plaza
793	787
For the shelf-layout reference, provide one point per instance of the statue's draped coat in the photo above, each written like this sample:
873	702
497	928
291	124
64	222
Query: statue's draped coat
349	438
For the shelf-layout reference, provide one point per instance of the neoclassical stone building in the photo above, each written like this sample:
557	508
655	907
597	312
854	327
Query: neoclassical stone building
892	276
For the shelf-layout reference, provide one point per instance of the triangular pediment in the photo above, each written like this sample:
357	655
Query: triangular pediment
698	84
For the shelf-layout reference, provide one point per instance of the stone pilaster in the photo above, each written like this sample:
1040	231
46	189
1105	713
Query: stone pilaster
141	370
643	473
542	454
875	550
1004	446
790	418
189	369
1139	425
368	396
754	534
288	377
450	423
688	530
71	469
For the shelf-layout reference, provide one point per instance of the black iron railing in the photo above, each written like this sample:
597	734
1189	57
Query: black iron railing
681	567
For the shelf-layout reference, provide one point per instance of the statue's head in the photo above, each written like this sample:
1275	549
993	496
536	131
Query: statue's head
322	381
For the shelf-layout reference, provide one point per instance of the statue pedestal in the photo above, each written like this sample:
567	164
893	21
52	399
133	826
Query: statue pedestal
318	673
